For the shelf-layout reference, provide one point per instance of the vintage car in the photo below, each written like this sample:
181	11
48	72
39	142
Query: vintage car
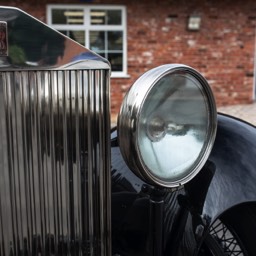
174	177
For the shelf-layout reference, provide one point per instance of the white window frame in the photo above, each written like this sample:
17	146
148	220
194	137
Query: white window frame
88	27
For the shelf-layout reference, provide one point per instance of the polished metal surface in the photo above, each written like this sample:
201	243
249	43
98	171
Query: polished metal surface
54	155
34	45
131	117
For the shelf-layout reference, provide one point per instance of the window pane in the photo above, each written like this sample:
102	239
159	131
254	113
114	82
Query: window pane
68	16
106	17
106	40
115	40
116	60
77	35
107	35
97	40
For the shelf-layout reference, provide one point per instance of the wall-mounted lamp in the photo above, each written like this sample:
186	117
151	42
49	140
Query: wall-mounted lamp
194	22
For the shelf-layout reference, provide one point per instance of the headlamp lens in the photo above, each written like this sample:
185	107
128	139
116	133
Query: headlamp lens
173	126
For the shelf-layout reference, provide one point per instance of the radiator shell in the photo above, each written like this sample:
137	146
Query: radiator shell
54	162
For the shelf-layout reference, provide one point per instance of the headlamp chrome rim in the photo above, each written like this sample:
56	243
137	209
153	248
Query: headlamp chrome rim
130	114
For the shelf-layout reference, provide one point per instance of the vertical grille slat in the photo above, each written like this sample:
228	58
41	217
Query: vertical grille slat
54	162
91	156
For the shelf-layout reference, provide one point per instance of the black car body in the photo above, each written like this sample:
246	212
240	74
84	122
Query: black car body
174	177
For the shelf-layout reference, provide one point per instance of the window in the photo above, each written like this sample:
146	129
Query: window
99	28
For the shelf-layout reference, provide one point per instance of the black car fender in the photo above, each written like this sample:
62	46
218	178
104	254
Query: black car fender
234	162
227	180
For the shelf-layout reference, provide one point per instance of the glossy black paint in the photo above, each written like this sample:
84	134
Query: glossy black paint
227	179
234	156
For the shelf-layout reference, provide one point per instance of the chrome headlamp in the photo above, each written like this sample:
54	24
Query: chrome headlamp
167	125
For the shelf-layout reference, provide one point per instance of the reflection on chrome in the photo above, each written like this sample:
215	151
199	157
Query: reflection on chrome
48	161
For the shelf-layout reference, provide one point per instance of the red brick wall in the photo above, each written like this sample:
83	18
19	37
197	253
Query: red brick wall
223	49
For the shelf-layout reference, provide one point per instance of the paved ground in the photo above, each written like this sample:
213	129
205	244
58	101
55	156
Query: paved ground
245	112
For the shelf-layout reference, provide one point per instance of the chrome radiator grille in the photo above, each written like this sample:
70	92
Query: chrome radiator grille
54	163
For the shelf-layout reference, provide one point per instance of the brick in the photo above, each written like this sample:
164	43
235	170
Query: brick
223	48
